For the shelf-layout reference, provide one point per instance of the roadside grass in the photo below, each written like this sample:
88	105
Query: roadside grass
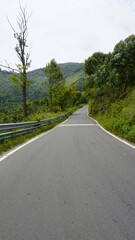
43	115
116	127
119	118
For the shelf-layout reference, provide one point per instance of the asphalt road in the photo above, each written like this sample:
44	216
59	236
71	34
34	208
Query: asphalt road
74	183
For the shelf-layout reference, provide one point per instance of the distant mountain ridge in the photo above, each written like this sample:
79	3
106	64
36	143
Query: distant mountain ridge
67	68
70	68
9	94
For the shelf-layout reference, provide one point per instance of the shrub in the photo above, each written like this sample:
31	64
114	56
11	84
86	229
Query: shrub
131	134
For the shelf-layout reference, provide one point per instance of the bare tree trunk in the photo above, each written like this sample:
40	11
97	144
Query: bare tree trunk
21	36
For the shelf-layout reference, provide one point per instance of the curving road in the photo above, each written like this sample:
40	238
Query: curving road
74	183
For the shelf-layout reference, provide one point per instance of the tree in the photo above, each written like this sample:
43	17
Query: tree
54	75
123	62
21	35
93	62
58	95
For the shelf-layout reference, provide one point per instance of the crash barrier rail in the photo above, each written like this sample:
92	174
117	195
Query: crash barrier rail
26	127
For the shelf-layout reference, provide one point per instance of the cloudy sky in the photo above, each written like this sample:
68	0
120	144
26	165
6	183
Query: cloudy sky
67	30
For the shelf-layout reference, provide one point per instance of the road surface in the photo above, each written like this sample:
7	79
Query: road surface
74	183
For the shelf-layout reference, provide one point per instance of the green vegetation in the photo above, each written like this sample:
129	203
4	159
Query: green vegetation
110	88
10	93
70	68
54	77
37	94
119	118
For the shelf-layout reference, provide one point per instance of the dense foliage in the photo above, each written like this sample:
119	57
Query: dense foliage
110	87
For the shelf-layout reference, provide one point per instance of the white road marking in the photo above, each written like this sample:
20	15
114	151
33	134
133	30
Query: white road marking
77	125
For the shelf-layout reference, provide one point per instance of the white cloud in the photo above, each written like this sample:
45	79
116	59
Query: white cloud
68	30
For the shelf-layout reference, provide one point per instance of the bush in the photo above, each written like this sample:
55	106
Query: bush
131	134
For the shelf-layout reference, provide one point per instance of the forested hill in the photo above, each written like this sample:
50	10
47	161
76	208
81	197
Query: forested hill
71	68
9	93
67	68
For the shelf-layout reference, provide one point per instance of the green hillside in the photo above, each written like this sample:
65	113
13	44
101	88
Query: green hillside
71	68
38	84
38	79
10	94
72	79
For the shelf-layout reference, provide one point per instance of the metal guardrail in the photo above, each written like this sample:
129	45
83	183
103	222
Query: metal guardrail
27	127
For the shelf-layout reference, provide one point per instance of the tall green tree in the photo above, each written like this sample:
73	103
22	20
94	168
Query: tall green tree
123	62
54	75
92	63
21	35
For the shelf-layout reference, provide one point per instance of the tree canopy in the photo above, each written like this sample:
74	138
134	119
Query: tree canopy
54	76
110	75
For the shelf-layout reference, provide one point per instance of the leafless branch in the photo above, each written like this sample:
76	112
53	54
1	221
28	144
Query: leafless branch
7	67
10	24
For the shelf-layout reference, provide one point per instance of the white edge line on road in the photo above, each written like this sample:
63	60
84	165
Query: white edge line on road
24	144
28	142
119	139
